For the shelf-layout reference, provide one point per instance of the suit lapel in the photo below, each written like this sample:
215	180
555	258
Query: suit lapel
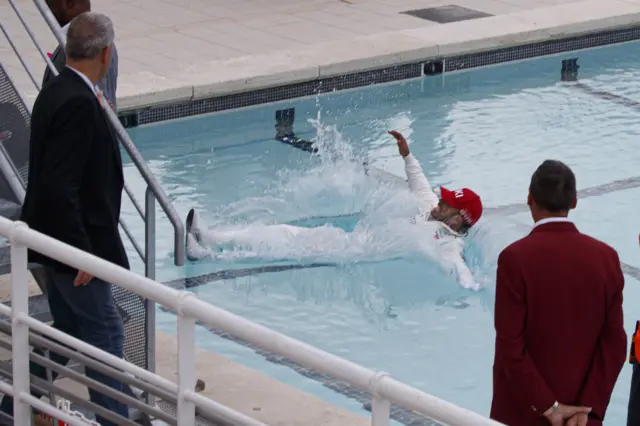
113	136
115	144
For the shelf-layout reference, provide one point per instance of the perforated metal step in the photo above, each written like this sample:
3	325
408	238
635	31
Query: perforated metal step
5	259
9	209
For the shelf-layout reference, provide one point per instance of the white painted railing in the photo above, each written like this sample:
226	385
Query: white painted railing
189	308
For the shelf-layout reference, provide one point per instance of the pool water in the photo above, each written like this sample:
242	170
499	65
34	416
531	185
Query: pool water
389	306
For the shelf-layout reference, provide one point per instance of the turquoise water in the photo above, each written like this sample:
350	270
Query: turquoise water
391	308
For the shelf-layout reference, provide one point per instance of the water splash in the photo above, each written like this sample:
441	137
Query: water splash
334	185
383	153
356	219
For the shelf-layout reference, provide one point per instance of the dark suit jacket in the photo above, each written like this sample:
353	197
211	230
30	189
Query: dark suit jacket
559	325
75	172
108	85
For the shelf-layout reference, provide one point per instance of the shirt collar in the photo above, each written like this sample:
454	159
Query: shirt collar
551	220
447	230
86	80
65	29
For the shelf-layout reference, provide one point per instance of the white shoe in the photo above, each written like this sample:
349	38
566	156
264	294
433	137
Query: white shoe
195	250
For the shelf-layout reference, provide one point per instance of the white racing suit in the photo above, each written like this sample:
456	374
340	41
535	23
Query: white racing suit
451	244
331	239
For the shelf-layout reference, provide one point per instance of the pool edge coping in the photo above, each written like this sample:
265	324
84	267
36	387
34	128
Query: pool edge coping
366	53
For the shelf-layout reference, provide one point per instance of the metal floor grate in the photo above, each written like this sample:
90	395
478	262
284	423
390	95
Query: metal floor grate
447	14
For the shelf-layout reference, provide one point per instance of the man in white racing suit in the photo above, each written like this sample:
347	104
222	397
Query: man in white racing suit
454	212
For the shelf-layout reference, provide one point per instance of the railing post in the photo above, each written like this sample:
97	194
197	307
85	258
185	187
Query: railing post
380	407
186	365
20	332
150	272
380	412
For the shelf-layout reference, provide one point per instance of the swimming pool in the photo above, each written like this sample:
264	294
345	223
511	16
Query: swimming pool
387	307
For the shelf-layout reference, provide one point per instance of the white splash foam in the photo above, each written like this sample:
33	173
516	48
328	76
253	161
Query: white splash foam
337	185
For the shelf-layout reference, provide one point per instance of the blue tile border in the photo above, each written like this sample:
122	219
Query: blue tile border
426	66
543	48
228	274
273	94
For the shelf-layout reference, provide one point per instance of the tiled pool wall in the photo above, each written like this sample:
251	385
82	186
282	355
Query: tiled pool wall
425	67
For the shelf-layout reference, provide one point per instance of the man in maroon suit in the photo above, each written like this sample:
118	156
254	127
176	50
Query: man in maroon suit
560	340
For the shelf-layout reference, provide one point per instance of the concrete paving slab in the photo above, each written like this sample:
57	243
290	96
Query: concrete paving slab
5	287
199	47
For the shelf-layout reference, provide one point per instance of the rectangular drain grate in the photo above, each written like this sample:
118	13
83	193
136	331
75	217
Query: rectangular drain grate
446	14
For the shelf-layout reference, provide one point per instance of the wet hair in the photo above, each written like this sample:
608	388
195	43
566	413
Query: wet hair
464	228
553	186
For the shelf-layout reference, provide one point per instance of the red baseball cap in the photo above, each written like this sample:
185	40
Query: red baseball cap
465	200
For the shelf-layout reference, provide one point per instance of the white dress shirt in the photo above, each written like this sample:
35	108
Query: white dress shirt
84	77
551	220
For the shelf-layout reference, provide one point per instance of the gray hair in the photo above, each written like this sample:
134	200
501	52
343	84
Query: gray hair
88	34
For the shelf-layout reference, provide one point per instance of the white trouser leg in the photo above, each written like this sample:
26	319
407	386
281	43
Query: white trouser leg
270	235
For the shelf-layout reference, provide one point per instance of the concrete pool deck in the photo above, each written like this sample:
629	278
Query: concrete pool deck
207	48
210	48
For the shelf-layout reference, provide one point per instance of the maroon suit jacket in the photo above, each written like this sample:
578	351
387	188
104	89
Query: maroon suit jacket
559	325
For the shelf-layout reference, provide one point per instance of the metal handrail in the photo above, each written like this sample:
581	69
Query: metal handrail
206	406
15	49
31	35
42	406
190	308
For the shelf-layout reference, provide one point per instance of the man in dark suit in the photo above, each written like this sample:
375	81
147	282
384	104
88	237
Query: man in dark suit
74	195
64	11
560	340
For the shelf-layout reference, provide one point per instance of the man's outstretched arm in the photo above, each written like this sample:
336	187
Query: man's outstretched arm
455	262
465	277
418	183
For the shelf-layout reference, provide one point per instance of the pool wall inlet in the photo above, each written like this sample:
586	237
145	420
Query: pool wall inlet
380	58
